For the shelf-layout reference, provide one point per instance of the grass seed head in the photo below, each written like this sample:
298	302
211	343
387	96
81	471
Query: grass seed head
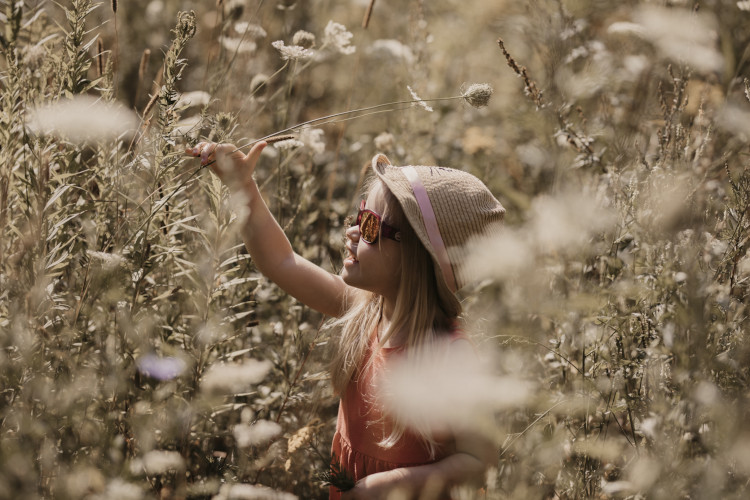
478	94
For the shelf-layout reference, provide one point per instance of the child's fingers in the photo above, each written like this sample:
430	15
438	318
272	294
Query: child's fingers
252	156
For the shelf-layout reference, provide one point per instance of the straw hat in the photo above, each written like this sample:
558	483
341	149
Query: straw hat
447	208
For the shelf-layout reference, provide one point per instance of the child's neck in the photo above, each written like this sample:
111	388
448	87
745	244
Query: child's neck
386	315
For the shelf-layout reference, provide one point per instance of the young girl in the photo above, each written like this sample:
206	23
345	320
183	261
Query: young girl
394	297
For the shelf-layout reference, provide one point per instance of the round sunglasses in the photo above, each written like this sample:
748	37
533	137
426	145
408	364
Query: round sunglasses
371	226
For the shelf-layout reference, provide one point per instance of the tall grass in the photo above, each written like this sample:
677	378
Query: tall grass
143	356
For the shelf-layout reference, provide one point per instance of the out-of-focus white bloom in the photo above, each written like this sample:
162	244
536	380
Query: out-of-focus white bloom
235	378
241	491
567	220
108	260
117	489
626	28
447	387
500	257
735	119
744	5
288	144
258	433
194	98
237	44
313	139
419	100
292	52
336	36
392	49
250	29
83	119
384	142
157	462
682	35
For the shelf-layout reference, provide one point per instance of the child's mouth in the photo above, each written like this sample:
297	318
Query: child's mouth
352	253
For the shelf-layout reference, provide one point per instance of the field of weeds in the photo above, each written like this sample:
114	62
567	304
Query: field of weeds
143	356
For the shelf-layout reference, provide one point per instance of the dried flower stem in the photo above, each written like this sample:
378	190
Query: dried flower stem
368	13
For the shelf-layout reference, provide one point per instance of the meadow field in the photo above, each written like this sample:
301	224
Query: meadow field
143	356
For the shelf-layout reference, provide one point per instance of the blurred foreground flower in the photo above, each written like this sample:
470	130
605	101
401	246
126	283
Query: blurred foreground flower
83	119
558	223
235	378
251	492
448	388
258	433
157	462
679	34
161	368
337	36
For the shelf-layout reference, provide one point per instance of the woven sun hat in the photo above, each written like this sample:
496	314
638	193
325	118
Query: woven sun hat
448	208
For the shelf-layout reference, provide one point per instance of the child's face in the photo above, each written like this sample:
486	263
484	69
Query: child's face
374	267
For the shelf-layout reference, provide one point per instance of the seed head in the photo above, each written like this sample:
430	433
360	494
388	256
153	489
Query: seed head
478	94
304	39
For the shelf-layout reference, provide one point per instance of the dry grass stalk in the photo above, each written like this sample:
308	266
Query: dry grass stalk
368	13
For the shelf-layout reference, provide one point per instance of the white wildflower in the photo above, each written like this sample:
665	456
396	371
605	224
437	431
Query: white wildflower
235	378
288	144
292	52
240	45
626	28
304	39
392	49
83	119
195	98
259	433
419	100
158	462
252	30
117	489
242	491
683	35
744	5
384	142
339	38
108	260
313	139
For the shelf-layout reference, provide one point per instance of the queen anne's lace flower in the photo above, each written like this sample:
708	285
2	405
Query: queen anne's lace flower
292	52
339	38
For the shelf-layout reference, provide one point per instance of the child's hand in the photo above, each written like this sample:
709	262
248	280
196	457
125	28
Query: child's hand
379	486
232	166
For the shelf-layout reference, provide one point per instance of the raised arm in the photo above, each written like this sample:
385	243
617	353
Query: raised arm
265	240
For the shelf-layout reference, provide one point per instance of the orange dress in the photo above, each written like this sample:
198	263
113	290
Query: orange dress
360	427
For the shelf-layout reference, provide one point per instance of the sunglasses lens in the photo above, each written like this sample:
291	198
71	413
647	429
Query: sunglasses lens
369	227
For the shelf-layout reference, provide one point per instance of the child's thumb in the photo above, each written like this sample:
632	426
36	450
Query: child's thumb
252	156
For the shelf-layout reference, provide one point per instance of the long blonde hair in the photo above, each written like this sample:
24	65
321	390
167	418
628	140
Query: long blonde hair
423	309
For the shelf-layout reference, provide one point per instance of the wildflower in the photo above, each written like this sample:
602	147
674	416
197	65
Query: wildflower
312	138
419	100
292	52
392	49
259	433
478	94
258	84
158	462
234	378
744	5
384	142
337	36
243	491
288	144
83	119
304	39
253	30
159	368
195	98
240	45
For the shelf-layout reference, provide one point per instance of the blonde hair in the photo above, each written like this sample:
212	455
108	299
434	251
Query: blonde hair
424	309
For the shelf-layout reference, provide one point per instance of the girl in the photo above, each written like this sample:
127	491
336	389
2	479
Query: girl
394	297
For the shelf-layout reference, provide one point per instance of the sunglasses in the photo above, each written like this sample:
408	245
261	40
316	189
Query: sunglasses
371	225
